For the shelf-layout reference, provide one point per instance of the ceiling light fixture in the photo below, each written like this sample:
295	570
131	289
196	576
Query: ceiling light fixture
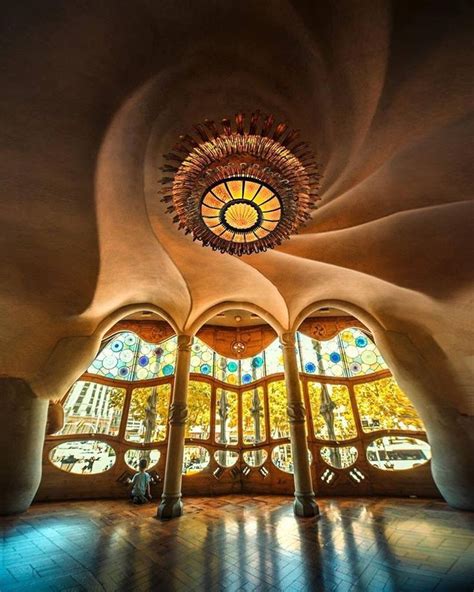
241	191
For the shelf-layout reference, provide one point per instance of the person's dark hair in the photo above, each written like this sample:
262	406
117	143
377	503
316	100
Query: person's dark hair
143	463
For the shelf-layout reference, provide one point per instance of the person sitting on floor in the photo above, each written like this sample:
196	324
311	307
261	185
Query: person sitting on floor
141	484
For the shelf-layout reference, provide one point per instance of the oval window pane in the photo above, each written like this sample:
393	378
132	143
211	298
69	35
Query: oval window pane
282	458
397	453
339	457
255	458
83	458
226	458
196	458
133	457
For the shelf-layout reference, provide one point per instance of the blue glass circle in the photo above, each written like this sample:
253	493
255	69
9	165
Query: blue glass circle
310	367
232	366
246	378
361	341
257	362
168	369
123	371
335	357
143	360
117	346
205	369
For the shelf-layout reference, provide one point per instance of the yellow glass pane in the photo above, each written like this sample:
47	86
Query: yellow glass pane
239	238
251	189
206	211
212	201
250	237
269	226
227	235
274	216
235	188
221	192
271	204
263	195
241	216
383	406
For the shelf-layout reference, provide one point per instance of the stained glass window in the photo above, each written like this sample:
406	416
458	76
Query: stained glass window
199	410
252	369
227	369
127	357
279	426
332	411
383	406
253	412
117	358
202	358
274	358
92	408
321	357
361	354
226	417
148	414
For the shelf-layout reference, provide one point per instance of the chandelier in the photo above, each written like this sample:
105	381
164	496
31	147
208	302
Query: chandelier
241	191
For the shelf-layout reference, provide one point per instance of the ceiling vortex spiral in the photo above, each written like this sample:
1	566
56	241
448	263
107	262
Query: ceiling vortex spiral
241	190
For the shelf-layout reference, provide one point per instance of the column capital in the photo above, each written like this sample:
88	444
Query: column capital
178	413
296	413
288	340
185	342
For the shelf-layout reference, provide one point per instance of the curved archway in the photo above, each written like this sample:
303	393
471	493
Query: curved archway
447	429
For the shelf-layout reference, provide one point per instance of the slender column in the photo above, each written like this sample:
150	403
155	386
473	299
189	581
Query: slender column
171	505
305	503
22	431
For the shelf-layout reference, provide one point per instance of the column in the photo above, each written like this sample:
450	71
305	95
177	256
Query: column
22	432
171	505
305	503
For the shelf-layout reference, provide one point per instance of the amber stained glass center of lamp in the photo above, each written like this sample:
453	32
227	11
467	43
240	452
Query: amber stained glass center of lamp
241	209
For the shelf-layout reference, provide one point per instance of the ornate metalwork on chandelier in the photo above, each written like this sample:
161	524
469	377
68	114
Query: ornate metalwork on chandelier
241	191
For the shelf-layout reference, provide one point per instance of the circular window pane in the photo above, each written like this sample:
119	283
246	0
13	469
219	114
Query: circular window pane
339	457
196	458
255	458
133	457
397	453
226	458
83	458
282	458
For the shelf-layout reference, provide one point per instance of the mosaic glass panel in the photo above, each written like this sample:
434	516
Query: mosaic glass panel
117	358
199	410
274	358
384	406
321	357
227	369
362	355
202	358
92	408
148	414
252	369
332	411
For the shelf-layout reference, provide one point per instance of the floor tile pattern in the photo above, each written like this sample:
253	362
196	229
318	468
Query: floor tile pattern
239	543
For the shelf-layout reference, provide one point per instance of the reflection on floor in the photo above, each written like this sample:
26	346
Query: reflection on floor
240	543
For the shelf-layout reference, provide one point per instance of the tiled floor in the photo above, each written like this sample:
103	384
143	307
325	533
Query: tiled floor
240	543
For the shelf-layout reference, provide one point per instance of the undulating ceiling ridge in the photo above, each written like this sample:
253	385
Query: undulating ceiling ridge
94	115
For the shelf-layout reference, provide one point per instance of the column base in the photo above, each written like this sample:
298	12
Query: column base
170	506
305	505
